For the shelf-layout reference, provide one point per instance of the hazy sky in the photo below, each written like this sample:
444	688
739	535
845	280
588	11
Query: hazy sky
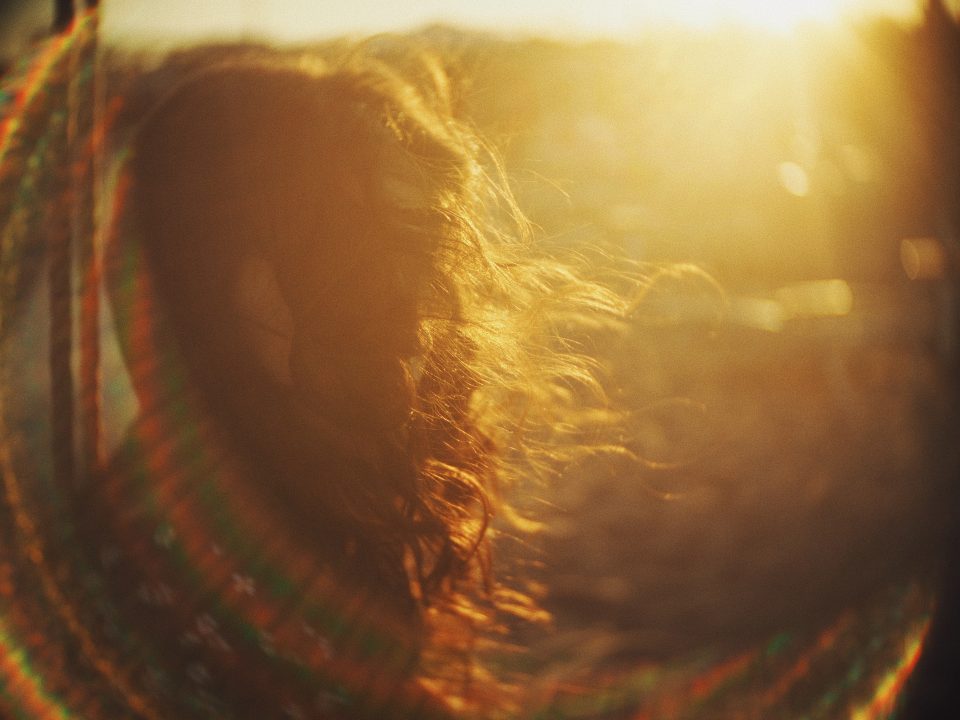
188	20
297	19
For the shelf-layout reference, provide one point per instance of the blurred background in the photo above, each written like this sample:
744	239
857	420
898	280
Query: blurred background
785	549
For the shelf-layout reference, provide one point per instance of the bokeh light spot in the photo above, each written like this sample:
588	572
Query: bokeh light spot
794	178
816	298
923	258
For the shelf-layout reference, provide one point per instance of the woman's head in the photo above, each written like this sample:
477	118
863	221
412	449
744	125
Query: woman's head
294	216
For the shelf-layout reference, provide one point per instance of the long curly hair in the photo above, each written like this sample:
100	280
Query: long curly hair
427	350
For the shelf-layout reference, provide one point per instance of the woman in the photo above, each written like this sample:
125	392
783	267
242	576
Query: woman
341	343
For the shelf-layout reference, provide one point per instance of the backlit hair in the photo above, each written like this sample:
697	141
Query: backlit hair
379	212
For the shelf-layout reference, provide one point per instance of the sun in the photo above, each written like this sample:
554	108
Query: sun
777	15
783	15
